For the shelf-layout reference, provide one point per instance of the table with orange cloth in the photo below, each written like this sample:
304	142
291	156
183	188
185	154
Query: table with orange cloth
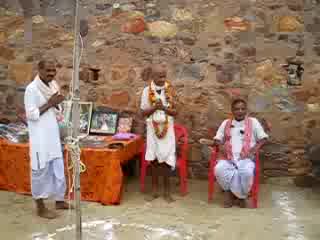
101	182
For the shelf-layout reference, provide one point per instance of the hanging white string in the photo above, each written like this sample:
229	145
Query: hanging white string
80	57
73	144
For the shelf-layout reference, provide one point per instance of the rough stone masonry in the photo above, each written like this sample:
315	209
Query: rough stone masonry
215	50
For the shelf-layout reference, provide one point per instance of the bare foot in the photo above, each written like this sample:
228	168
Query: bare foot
46	213
63	206
242	203
228	200
168	198
152	197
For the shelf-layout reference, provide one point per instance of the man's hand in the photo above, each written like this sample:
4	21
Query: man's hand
205	141
249	154
55	99
159	105
222	150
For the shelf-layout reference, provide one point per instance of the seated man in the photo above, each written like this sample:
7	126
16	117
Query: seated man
158	108
238	140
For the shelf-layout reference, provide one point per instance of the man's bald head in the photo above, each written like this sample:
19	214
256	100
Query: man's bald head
156	68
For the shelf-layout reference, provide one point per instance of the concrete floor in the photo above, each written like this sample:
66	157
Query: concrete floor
285	213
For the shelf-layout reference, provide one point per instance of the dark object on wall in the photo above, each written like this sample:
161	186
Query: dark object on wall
94	76
295	72
84	28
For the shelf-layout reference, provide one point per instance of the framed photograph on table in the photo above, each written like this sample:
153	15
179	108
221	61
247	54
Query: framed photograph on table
85	109
104	122
85	117
125	125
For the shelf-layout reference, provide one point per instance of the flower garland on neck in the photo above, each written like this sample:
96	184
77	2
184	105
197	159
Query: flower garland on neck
153	100
246	141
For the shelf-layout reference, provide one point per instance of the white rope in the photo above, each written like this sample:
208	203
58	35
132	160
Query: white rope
73	144
80	57
73	147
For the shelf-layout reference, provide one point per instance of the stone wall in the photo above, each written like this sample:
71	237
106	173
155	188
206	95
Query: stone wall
214	50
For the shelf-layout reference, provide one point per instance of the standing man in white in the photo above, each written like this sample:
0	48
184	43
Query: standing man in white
42	99
158	107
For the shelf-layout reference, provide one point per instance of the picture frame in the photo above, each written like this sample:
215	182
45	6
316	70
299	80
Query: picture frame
85	109
104	122
85	117
124	124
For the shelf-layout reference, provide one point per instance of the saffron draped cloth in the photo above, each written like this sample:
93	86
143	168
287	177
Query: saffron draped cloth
102	182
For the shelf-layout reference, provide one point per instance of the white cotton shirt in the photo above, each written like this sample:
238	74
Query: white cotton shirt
237	137
44	135
164	150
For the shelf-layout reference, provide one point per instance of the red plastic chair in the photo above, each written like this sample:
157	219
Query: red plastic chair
181	135
212	178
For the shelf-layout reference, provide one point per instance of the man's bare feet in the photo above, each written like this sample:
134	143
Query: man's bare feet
63	205
245	203
242	203
46	213
228	199
168	198
152	197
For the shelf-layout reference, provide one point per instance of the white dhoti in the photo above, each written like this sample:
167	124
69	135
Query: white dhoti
164	150
235	176
49	181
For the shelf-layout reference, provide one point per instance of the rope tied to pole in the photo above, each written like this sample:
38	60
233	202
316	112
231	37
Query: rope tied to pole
73	148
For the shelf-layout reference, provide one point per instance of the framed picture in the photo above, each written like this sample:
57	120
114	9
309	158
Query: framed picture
104	122
124	125
85	115
66	110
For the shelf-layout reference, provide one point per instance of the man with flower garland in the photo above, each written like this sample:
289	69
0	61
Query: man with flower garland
158	107
238	140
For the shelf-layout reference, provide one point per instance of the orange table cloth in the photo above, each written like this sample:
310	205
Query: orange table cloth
101	182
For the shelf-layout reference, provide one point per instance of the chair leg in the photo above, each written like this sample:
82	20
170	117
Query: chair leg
143	176
255	201
255	196
183	180
183	185
211	189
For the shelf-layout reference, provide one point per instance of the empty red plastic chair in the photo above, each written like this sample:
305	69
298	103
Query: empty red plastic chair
181	135
212	178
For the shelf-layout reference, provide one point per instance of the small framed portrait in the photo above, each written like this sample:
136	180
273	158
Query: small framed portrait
85	117
124	125
66	110
85	109
104	122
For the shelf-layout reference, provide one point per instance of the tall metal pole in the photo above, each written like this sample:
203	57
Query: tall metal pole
76	118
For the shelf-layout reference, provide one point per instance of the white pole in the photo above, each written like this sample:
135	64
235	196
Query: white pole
76	118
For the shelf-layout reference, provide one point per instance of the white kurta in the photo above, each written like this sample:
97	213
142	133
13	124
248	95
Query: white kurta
237	175
47	175
44	135
164	150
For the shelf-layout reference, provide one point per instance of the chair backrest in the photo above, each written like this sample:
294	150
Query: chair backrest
181	134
